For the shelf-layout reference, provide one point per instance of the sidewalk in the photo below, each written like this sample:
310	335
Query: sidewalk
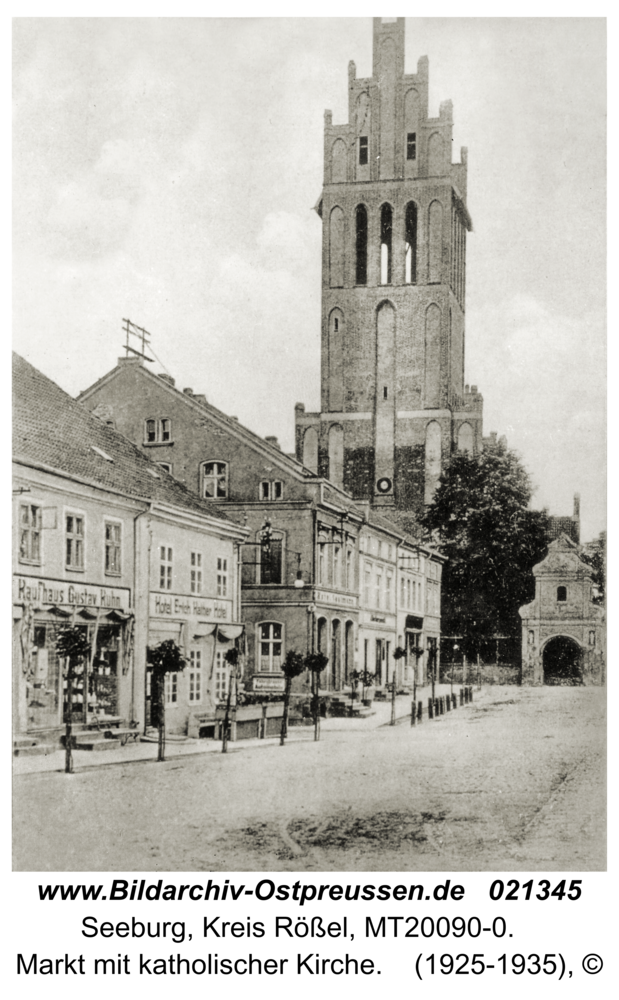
140	752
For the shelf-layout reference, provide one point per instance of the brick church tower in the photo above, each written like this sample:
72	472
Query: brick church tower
393	207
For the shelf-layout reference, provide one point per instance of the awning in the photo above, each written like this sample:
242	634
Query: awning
229	632
226	632
414	622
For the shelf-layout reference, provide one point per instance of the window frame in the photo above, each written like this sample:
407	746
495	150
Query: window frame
364	150
411	145
195	572
109	522
271	641
194	689
170	688
33	531
222	576
166	564
75	567
215	478
162	434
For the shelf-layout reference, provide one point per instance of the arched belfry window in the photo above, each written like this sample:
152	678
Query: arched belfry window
410	239
386	230
361	232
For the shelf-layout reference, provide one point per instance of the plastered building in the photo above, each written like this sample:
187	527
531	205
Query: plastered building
394	218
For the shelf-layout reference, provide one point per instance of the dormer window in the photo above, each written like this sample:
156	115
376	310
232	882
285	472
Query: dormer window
158	431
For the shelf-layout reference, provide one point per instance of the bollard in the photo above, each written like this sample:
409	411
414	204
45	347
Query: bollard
448	702
437	707
441	702
461	697
419	711
471	694
466	696
454	702
413	711
430	709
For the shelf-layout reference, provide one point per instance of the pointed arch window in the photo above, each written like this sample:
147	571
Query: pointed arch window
386	232
361	233
410	238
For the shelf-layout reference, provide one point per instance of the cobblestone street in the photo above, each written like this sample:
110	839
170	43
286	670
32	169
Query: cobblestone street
515	781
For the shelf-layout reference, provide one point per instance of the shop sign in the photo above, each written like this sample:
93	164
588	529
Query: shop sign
330	598
174	606
268	683
38	590
374	618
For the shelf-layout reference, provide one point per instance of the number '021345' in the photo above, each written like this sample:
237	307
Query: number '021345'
513	890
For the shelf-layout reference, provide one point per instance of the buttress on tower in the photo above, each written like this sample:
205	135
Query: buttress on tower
394	221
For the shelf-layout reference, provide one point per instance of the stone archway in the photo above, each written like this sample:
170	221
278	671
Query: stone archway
562	661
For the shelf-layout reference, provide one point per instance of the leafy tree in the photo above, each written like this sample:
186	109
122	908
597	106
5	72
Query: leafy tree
594	554
72	645
293	665
316	663
481	518
166	658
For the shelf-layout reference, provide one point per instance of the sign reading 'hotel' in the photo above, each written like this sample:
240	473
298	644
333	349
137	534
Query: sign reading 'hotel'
174	606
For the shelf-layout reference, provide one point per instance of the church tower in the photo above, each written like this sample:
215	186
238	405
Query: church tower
394	219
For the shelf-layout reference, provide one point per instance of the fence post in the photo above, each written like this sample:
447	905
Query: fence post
448	702
471	693
413	711
454	702
419	711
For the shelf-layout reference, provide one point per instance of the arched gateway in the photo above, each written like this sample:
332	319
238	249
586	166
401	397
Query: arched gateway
562	661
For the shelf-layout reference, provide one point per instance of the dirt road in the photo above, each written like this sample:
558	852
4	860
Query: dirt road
514	782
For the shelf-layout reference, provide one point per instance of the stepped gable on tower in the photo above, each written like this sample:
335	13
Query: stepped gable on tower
393	207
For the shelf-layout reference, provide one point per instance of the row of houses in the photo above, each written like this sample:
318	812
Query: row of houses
143	513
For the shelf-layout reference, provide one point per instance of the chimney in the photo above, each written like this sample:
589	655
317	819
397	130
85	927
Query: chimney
577	505
167	378
272	440
188	392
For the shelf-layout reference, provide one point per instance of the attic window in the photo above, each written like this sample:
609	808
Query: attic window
103	454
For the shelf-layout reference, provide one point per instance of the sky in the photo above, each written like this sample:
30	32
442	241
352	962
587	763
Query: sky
165	171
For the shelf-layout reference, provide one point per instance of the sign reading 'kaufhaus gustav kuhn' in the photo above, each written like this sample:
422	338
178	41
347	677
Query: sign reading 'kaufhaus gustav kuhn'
38	590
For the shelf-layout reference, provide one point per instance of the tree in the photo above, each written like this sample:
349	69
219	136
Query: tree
316	663
594	554
72	645
293	665
166	658
492	540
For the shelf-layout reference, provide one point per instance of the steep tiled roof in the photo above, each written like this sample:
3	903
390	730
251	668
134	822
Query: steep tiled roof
53	429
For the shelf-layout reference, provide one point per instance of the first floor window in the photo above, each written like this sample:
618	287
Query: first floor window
171	688
221	677
195	675
74	542
112	548
196	573
222	577
270	641
29	533
165	567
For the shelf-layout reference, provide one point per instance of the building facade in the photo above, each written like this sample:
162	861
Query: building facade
106	540
563	630
393	207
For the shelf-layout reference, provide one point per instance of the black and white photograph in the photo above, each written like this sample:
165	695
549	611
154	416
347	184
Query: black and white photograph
309	445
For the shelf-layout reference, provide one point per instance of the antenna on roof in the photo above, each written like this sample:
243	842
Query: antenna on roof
133	330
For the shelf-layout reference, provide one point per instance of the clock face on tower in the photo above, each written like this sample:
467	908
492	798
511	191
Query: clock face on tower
384	485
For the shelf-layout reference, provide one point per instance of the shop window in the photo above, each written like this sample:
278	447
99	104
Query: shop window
112	548
165	567
222	577
171	689
29	533
196	573
215	480
270	646
157	431
195	675
74	542
561	594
